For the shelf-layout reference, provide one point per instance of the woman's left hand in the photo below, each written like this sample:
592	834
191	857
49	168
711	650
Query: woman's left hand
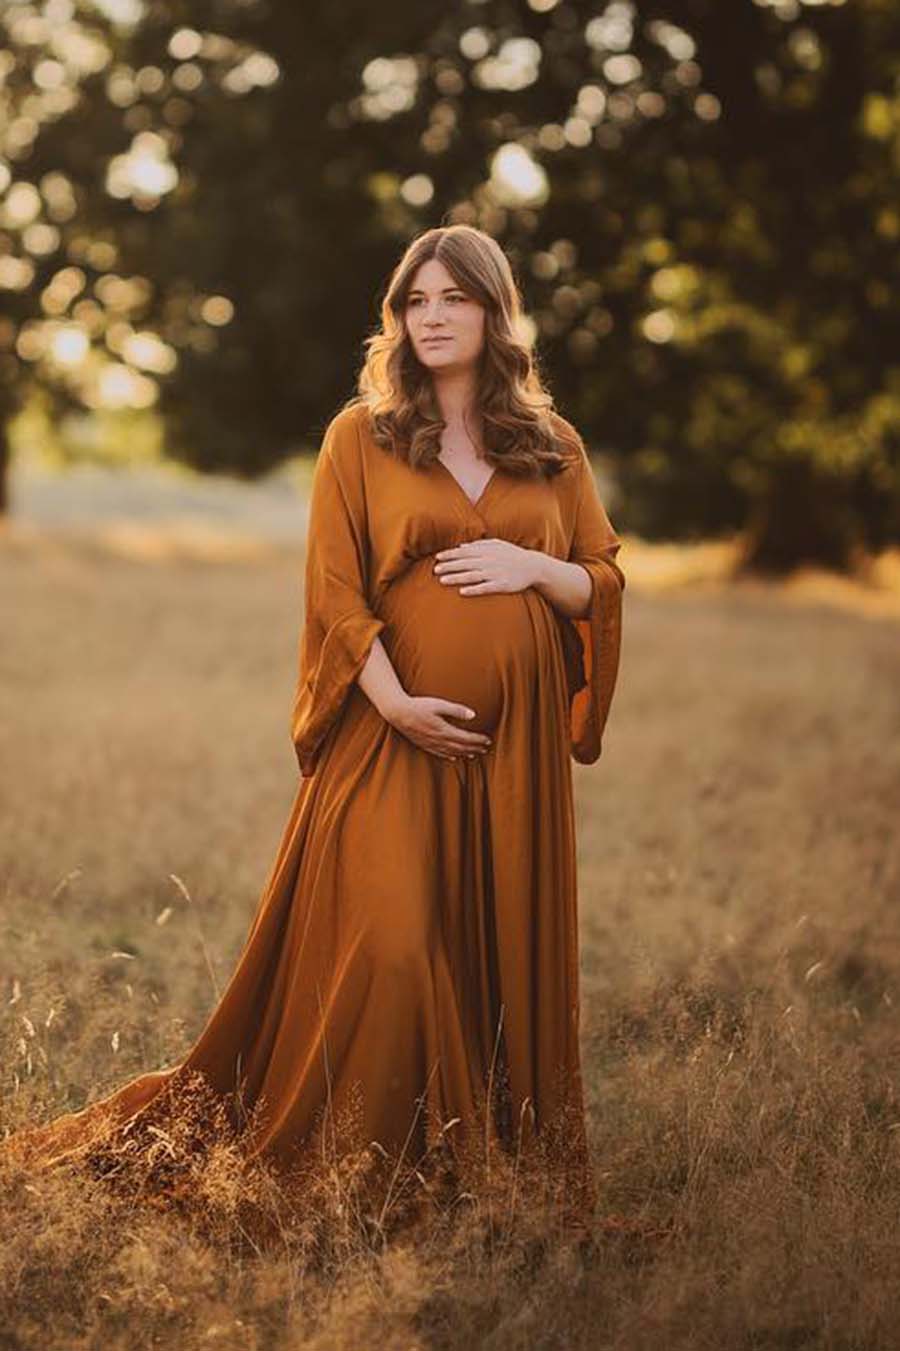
480	566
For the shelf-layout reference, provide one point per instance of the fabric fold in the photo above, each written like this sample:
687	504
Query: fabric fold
591	644
339	624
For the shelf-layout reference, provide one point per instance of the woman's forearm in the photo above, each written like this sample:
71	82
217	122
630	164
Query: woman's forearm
568	586
379	681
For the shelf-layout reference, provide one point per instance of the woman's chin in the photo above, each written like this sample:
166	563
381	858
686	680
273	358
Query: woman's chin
444	361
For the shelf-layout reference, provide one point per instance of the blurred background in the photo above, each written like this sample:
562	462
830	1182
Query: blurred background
200	204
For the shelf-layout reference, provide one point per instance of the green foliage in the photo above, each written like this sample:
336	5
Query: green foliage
699	200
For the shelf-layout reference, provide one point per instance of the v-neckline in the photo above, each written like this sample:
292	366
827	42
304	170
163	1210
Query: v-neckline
474	503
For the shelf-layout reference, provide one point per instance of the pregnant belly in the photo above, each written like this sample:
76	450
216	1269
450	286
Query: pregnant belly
471	649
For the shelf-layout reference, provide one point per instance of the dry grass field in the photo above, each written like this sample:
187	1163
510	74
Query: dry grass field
740	906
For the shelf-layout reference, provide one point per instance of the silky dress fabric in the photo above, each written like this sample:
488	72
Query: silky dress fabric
417	938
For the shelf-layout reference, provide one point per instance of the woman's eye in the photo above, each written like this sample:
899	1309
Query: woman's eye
418	300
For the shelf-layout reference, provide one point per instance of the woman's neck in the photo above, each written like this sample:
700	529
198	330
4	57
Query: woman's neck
455	392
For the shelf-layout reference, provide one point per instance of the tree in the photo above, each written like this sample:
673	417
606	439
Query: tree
83	174
698	200
701	201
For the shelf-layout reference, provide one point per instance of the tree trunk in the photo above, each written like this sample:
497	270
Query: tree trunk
4	467
805	517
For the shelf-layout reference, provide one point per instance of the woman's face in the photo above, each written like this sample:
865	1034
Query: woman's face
445	324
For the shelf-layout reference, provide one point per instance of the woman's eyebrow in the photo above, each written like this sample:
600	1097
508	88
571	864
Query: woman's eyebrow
417	291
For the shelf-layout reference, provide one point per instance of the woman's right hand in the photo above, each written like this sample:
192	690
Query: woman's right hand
423	718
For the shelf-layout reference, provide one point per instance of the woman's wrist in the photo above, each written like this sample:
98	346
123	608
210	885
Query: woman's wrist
566	585
539	568
393	705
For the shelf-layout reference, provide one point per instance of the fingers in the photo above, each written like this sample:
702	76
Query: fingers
448	709
471	740
450	741
464	575
464	744
475	743
457	738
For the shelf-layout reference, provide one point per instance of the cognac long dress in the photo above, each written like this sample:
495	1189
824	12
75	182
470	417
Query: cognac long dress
416	940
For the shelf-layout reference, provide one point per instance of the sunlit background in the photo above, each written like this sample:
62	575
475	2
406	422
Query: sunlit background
700	201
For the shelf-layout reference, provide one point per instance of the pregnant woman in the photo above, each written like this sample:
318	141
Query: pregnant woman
411	974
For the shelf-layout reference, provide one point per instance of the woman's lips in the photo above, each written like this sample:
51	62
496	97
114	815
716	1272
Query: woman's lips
434	342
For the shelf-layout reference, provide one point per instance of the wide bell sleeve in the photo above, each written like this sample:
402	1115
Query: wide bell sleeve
591	644
338	626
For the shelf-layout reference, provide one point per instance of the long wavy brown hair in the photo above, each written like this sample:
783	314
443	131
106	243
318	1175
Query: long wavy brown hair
520	428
